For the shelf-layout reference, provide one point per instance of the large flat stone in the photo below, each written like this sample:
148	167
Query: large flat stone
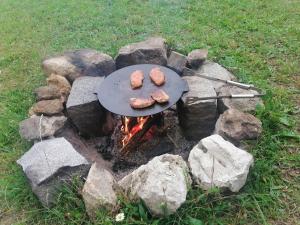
211	69
197	117
162	184
215	162
99	191
242	104
235	126
82	62
83	106
151	51
50	164
37	127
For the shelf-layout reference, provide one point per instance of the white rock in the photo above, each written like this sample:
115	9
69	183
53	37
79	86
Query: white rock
162	184
216	162
99	190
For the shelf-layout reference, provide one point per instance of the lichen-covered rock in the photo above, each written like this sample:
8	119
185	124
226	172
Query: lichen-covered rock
60	83
50	164
177	62
162	184
242	104
37	127
215	162
47	107
196	57
151	51
83	62
99	191
84	108
47	93
235	126
211	69
197	118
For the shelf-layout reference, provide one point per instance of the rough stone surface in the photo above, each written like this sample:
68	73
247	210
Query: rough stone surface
84	108
50	164
197	117
99	191
47	93
32	128
242	104
235	126
211	69
215	162
196	57
151	51
162	184
177	62
47	107
60	83
83	62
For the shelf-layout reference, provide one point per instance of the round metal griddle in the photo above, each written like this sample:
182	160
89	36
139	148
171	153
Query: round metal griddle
115	91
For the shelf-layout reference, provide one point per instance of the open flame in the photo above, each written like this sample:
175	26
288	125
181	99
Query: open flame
129	133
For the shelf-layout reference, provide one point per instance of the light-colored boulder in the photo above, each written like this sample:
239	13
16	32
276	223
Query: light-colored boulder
37	127
151	51
242	104
215	162
99	191
162	184
50	164
197	118
235	126
82	62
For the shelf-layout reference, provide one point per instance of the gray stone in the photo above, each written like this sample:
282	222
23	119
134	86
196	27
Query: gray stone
162	184
36	126
84	108
215	162
211	69
196	57
47	93
235	126
151	51
50	164
242	104
197	118
47	107
99	191
177	62
83	62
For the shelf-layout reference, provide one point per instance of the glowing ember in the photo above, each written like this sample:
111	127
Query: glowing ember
130	133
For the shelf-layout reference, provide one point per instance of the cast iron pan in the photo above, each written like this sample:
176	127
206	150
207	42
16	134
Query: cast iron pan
115	91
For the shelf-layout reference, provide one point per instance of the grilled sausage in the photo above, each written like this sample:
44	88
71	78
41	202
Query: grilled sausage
157	76
136	79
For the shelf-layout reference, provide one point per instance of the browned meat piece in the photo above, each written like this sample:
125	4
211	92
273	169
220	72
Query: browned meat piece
157	76
160	96
140	103
136	79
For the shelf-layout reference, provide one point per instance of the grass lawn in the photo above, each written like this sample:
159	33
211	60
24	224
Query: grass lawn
258	40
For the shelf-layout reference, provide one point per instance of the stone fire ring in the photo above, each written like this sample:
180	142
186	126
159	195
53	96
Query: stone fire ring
62	152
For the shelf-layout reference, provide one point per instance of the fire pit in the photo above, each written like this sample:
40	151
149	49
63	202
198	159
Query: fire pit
150	153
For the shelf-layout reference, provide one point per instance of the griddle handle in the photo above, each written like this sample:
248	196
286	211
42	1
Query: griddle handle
185	86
